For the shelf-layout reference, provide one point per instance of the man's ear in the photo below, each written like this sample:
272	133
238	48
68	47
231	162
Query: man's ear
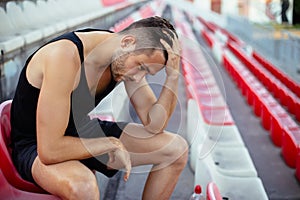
128	43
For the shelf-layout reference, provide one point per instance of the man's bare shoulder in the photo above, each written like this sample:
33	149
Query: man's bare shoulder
59	58
62	50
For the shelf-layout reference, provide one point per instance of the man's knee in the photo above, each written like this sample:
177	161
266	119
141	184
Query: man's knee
177	150
83	188
182	149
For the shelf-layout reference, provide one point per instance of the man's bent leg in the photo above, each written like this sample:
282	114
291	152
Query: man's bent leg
68	180
168	152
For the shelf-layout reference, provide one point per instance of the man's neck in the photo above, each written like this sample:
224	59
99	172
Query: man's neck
98	48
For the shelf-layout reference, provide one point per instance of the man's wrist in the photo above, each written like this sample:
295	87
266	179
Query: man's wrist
174	76
116	144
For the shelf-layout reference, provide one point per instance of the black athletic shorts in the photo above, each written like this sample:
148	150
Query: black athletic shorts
25	154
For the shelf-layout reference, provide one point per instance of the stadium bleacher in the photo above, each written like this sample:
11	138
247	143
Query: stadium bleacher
259	83
219	158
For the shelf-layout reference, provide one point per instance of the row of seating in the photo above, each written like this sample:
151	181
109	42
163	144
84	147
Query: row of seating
281	85
292	105
23	23
280	91
214	28
279	74
217	151
284	130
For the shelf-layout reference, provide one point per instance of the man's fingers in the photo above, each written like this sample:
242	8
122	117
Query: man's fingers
166	45
127	166
127	173
111	159
176	47
120	159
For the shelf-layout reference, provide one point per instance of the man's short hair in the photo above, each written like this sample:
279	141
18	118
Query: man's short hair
149	31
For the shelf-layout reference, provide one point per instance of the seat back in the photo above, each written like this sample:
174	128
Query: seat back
6	27
5	122
6	164
17	16
212	192
7	191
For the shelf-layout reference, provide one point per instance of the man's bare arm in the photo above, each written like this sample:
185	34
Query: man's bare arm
155	113
53	112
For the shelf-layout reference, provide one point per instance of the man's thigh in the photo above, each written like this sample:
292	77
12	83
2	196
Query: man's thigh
58	178
147	148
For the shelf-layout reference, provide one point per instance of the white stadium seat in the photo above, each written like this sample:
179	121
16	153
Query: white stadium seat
8	40
20	23
33	16
231	187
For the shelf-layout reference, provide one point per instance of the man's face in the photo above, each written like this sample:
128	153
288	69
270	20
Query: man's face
133	67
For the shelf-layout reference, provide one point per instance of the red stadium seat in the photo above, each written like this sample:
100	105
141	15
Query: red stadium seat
282	87
297	173
212	192
297	110
290	145
268	113
217	116
259	96
6	163
208	37
277	127
215	101
246	84
7	191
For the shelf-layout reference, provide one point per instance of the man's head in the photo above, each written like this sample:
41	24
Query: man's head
141	46
149	31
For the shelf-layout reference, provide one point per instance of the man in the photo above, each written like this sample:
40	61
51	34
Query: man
56	145
285	4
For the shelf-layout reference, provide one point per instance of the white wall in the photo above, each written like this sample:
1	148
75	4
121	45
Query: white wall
202	4
257	11
230	7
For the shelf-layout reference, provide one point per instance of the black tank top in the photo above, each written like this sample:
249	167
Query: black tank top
24	105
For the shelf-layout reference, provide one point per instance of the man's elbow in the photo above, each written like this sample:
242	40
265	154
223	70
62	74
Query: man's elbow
154	128
157	119
47	156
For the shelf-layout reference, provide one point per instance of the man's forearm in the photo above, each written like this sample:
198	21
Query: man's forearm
74	148
161	111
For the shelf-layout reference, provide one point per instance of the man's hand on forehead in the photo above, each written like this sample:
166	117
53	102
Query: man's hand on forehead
172	65
176	46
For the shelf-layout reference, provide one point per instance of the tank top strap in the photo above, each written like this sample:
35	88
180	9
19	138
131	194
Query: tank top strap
73	38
